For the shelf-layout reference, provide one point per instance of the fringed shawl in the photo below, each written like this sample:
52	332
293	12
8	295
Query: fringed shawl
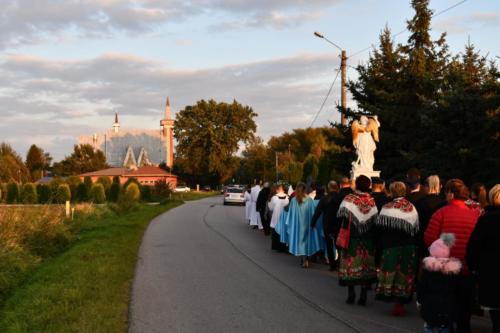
399	214
361	208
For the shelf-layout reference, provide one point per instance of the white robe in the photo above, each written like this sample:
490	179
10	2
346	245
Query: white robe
255	216
248	206
276	206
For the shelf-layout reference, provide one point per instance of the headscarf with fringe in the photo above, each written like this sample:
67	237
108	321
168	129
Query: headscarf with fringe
399	214
361	208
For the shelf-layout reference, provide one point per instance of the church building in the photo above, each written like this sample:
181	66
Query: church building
134	148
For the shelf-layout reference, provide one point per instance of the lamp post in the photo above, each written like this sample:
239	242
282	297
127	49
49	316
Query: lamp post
343	76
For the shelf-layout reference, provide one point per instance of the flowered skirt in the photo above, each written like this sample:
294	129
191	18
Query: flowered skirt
396	278
357	263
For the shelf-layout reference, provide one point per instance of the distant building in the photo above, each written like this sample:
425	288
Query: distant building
136	147
146	175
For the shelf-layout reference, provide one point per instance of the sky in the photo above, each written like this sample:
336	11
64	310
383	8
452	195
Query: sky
66	66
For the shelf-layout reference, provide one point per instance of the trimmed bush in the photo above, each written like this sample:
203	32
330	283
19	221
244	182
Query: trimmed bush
131	180
105	181
146	193
29	195
116	179
82	193
63	193
97	194
3	190
12	192
44	193
114	192
132	193
73	182
88	182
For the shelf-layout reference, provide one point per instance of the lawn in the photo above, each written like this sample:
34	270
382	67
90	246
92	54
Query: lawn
86	287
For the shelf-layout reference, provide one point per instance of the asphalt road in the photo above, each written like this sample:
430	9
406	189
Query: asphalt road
202	269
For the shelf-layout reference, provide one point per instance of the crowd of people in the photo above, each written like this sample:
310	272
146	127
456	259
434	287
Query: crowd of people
441	243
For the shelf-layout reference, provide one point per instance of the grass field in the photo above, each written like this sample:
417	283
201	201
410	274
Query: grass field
86	287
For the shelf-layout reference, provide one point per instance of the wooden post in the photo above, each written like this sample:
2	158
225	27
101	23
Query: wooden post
343	96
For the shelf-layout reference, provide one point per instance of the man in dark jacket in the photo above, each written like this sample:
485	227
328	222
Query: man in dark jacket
261	207
325	208
378	192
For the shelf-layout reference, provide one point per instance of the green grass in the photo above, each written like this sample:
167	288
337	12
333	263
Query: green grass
86	288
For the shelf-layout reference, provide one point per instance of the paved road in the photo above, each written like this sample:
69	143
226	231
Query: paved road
202	269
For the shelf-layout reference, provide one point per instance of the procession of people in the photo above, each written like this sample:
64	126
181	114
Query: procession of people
405	242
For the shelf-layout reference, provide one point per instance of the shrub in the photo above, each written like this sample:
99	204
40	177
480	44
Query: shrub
114	192
162	188
12	192
97	194
29	195
116	179
132	193
63	193
131	180
105	181
88	182
82	193
146	193
3	190
73	182
44	193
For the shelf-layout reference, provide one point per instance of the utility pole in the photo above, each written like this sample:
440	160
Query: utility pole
343	96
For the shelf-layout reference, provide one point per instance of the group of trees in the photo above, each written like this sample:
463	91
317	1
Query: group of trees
439	111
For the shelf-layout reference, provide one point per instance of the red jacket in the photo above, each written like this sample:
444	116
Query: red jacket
456	218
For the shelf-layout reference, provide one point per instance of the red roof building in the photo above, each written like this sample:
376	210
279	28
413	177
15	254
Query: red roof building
146	175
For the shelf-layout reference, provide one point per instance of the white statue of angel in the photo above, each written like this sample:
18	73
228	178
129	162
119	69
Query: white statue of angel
364	136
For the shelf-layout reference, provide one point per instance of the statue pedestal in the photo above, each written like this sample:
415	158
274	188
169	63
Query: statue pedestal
355	173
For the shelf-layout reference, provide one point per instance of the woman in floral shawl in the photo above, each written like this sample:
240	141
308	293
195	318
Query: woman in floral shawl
397	228
357	262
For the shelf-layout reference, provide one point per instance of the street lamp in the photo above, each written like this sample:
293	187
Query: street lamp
343	69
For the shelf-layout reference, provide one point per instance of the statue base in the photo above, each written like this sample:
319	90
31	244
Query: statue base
368	173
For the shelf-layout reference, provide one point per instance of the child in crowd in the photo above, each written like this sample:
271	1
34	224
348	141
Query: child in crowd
437	286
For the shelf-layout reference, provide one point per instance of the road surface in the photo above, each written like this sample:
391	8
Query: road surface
202	269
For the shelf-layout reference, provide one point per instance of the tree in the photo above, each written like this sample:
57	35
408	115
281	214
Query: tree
83	159
12	192
63	193
145	193
132	193
44	193
28	194
114	192
73	182
97	194
87	180
208	135
11	165
37	161
82	192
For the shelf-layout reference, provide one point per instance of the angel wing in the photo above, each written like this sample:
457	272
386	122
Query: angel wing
372	127
356	128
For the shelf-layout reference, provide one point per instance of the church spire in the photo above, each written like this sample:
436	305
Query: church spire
116	125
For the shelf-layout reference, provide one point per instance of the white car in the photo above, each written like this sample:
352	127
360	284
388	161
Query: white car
234	195
182	188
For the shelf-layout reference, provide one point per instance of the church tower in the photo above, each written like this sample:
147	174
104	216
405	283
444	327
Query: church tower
167	126
116	125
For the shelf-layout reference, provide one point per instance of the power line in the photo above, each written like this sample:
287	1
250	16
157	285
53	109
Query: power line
406	29
326	98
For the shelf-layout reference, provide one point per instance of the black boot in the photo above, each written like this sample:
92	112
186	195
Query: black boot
362	297
351	295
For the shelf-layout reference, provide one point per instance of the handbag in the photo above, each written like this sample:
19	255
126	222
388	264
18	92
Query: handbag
344	235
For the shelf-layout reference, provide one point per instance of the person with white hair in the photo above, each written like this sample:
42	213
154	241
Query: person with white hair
483	256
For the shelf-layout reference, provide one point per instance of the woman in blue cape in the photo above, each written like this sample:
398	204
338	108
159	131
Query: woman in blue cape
303	240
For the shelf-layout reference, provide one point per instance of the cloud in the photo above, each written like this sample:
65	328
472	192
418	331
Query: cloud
64	99
463	23
29	22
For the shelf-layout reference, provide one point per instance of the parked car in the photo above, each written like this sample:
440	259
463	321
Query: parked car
182	188
234	195
207	188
